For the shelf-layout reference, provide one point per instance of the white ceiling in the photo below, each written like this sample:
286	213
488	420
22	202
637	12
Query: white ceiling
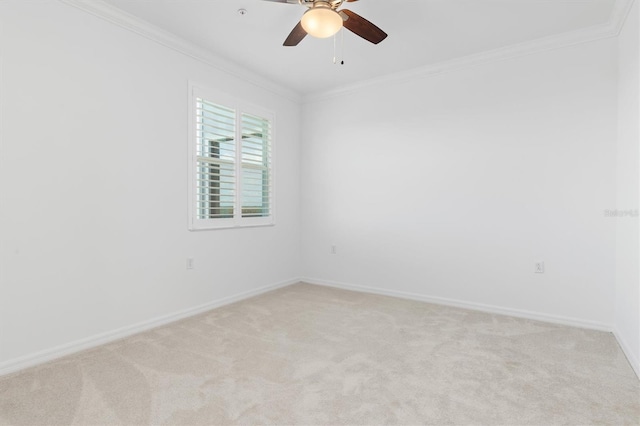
421	33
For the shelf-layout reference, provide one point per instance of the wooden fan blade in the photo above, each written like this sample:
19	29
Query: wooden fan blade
296	36
360	26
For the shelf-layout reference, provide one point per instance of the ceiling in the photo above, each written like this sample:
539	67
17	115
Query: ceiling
421	33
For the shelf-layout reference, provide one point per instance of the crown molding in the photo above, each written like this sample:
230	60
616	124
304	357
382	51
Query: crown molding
118	17
145	29
611	28
618	17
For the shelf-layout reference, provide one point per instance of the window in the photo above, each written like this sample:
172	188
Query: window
230	163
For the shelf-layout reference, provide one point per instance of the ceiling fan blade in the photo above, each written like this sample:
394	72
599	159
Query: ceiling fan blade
290	1
360	26
296	36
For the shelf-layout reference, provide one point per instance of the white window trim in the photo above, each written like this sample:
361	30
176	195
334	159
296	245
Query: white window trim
240	106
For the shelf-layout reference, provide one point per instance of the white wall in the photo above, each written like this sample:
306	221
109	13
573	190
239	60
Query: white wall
452	186
448	186
627	302
93	183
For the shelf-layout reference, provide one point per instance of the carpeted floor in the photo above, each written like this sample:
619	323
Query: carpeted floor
312	355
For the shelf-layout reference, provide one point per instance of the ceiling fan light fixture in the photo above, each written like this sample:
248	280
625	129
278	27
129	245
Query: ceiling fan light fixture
321	21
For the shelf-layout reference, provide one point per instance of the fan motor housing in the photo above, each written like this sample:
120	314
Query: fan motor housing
333	3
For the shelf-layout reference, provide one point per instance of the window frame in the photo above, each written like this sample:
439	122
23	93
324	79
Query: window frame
240	107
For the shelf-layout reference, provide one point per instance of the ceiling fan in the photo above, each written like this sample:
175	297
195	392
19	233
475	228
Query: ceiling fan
323	19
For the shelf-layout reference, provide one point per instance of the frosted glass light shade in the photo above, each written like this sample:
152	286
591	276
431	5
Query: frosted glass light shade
321	22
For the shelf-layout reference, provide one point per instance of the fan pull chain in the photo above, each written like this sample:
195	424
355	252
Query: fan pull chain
335	48
335	61
342	46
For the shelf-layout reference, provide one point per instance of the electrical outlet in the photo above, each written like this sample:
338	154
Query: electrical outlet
190	263
334	249
538	267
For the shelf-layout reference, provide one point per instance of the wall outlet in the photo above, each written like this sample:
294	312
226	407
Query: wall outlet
334	249
191	263
538	267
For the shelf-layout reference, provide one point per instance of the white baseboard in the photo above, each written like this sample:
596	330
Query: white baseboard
555	319
16	364
631	356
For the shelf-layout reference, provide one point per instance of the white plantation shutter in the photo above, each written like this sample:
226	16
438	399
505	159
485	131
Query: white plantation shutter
230	163
216	153
256	166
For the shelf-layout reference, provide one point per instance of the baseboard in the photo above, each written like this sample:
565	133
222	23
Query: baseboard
14	365
17	364
555	319
631	357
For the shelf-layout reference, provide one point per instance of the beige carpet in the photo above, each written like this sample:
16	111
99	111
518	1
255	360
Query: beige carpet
314	355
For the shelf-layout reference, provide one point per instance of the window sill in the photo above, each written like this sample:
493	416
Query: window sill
199	228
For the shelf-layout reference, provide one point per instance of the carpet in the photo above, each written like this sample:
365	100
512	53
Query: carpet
314	355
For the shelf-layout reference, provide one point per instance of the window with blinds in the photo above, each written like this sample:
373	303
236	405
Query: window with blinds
256	164
231	157
216	158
